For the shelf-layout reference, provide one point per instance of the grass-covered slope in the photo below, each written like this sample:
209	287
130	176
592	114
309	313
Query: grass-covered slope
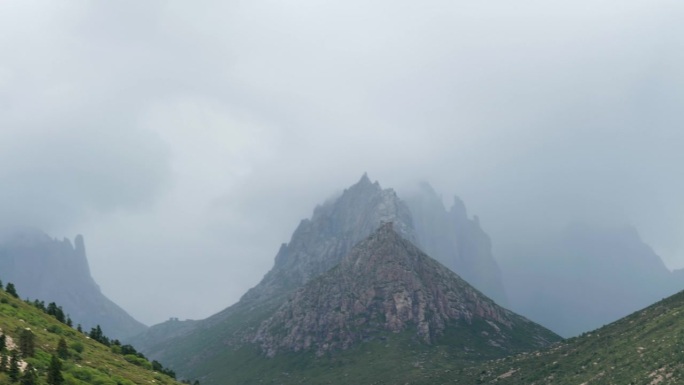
646	347
389	358
88	361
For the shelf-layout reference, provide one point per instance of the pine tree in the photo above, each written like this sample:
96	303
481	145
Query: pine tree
56	311
14	366
11	290
40	305
0	284
96	333
27	343
62	349
29	377
54	374
3	342
3	361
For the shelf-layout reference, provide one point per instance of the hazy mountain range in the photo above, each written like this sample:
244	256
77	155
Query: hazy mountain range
586	277
339	287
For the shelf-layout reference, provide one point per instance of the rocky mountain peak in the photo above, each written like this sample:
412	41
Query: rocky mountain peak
320	243
385	284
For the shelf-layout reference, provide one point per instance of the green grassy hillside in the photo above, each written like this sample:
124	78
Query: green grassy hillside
390	358
86	361
646	347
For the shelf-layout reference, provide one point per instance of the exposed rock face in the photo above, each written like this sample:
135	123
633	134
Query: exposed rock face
587	277
385	284
319	243
56	271
455	240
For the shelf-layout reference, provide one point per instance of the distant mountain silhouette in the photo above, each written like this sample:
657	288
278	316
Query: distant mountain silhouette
50	270
587	277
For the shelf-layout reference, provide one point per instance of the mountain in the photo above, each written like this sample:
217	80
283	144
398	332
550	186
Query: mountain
214	349
57	271
388	284
84	361
317	245
386	312
642	348
585	278
455	240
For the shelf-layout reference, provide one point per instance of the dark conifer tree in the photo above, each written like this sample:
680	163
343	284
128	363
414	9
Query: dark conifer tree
13	370
96	333
3	342
60	315
54	374
62	349
56	311
40	305
29	377
11	290
4	361
27	343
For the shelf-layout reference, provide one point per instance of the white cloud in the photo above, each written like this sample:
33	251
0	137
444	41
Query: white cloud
186	142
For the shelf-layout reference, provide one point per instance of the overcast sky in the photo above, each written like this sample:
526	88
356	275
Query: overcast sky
185	140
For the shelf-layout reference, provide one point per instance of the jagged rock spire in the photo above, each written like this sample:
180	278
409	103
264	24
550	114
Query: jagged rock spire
320	243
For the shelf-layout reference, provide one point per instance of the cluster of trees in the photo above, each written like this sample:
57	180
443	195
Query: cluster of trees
9	359
53	310
10	289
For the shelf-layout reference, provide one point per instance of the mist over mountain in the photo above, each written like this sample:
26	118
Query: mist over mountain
50	270
586	277
319	245
455	240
